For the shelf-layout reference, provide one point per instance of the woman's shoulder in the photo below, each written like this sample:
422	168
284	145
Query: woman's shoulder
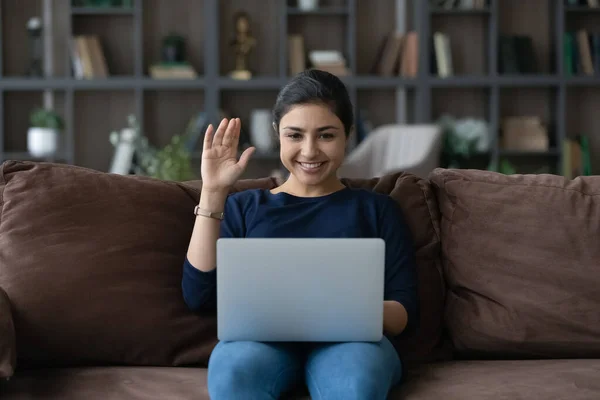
377	198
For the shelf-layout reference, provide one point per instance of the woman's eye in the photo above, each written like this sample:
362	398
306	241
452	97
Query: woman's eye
327	135
295	136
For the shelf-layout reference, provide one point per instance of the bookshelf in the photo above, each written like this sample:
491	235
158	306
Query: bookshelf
131	39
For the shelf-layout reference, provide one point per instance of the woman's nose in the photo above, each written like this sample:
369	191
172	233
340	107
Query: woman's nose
309	149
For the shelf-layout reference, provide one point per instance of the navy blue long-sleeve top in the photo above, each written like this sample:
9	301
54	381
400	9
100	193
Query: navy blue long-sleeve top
347	213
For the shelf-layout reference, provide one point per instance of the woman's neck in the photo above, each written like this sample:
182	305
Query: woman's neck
293	187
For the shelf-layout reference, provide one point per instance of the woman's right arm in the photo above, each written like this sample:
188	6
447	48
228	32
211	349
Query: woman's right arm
220	170
203	244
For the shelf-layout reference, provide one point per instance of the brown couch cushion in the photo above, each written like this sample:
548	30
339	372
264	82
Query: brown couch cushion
416	198
522	263
8	347
92	264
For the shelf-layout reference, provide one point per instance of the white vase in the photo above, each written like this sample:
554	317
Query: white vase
308	5
42	142
261	130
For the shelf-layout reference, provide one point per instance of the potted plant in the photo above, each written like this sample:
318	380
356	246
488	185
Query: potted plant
44	132
173	162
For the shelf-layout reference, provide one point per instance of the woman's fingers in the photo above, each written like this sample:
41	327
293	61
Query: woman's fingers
231	132
218	139
236	136
245	157
208	137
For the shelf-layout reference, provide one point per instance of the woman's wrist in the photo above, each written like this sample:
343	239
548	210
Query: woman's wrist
213	201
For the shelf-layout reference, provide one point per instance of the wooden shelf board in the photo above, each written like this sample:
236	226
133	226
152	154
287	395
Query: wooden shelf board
324	11
104	11
460	11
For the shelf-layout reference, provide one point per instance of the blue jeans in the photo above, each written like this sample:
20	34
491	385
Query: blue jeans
331	371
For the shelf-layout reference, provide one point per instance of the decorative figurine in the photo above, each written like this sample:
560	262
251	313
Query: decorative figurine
243	44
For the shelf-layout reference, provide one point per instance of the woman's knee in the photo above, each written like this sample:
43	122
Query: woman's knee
353	371
359	387
247	369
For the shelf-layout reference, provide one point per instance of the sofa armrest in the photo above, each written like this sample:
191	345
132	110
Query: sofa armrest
8	345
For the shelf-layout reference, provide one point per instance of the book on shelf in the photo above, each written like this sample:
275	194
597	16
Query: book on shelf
296	54
331	61
524	133
516	55
172	71
576	157
441	57
87	57
398	55
459	4
582	52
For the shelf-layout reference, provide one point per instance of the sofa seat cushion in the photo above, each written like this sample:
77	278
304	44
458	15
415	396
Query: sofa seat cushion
507	379
482	380
115	383
110	383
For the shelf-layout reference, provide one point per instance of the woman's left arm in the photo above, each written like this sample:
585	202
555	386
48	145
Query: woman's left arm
400	307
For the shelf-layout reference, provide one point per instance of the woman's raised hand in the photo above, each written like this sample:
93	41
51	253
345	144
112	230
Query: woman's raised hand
220	166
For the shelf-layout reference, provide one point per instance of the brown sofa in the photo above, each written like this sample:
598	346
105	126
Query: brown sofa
91	305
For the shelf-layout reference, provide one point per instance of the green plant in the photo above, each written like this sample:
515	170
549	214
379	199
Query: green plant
173	162
44	118
463	139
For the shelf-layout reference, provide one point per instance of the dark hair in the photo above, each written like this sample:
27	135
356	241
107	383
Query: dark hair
315	87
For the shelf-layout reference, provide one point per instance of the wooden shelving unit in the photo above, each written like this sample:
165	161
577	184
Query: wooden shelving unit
132	38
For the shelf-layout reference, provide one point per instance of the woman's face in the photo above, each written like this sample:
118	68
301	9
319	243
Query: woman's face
313	143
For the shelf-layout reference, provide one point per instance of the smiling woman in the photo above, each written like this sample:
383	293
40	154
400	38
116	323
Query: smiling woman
313	118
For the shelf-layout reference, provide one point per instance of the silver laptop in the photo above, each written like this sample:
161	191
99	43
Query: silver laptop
323	290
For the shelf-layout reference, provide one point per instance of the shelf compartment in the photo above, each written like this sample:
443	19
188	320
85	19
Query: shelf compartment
468	37
17	109
265	17
168	113
582	105
240	104
162	18
375	108
515	19
460	103
116	41
97	114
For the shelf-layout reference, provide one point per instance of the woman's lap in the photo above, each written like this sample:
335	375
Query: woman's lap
338	370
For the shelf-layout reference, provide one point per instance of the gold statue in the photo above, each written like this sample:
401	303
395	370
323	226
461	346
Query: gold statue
243	43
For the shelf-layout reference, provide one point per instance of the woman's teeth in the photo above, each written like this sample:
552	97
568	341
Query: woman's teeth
311	165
